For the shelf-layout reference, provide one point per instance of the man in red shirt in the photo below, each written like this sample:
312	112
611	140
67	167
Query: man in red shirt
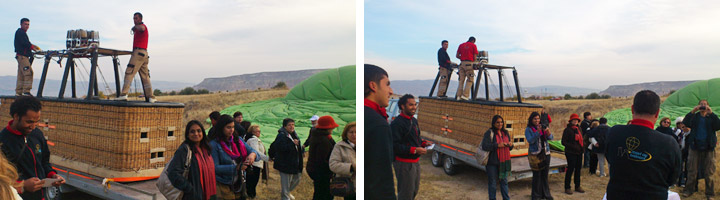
138	61
466	53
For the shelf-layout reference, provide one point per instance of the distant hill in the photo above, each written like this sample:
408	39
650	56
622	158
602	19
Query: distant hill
660	87
256	80
52	87
422	88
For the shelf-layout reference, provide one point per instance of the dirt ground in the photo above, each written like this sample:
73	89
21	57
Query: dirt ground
471	183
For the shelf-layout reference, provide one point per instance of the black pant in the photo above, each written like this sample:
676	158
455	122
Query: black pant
321	183
540	188
253	176
593	162
683	175
574	162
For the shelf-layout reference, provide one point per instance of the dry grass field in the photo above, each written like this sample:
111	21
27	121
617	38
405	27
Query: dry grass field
471	183
198	107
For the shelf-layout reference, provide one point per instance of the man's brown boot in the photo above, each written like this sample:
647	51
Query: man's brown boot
579	189
568	191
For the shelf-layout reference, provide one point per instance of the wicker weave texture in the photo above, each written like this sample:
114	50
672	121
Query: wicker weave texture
113	137
467	122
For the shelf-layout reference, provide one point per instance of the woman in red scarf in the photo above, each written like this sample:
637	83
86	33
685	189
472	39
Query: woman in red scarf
200	180
497	141
572	139
231	156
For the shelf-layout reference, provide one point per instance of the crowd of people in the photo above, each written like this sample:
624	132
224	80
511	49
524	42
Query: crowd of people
228	165
636	153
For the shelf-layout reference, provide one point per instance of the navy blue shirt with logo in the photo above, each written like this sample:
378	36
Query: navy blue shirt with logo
644	163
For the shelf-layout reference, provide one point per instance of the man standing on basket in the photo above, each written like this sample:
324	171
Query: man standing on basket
138	61
467	52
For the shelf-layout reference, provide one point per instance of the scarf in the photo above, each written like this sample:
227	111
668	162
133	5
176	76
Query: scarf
578	136
503	152
543	137
234	153
376	107
206	167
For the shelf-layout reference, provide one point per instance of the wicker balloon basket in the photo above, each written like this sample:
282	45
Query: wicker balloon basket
109	138
463	123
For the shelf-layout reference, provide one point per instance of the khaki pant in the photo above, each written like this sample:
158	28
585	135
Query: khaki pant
24	75
467	76
443	85
695	160
138	64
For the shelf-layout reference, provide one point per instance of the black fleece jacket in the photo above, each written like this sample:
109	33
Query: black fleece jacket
379	182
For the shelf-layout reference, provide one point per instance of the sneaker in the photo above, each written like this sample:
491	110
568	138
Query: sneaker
579	189
26	94
687	194
603	175
153	100
121	98
464	98
443	96
568	191
292	197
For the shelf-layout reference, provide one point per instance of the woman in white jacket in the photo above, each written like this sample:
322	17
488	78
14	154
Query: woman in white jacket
253	173
342	158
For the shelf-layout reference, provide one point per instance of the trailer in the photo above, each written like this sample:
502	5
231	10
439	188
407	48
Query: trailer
457	126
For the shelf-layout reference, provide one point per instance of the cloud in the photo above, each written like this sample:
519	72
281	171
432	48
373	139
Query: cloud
574	43
192	40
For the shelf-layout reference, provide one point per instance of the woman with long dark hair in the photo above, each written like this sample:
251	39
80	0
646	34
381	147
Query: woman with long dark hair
200	180
537	136
232	156
496	140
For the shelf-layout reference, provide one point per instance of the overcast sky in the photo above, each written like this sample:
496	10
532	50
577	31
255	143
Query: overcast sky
591	44
191	40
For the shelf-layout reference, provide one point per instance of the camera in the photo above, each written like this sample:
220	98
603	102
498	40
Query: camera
702	108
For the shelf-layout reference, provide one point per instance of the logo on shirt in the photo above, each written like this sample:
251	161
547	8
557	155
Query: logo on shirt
37	148
632	143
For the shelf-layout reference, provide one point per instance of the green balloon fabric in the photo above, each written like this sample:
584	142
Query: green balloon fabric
691	94
678	104
332	84
331	92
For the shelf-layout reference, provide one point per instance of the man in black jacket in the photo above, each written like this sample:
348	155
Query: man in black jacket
445	67
701	142
597	140
287	153
644	163
585	129
379	183
26	148
23	54
408	147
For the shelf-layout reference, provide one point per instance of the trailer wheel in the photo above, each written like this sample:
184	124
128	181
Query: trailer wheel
449	166
53	193
436	159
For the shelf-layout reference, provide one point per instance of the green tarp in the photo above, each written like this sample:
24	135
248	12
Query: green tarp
331	92
333	84
678	104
